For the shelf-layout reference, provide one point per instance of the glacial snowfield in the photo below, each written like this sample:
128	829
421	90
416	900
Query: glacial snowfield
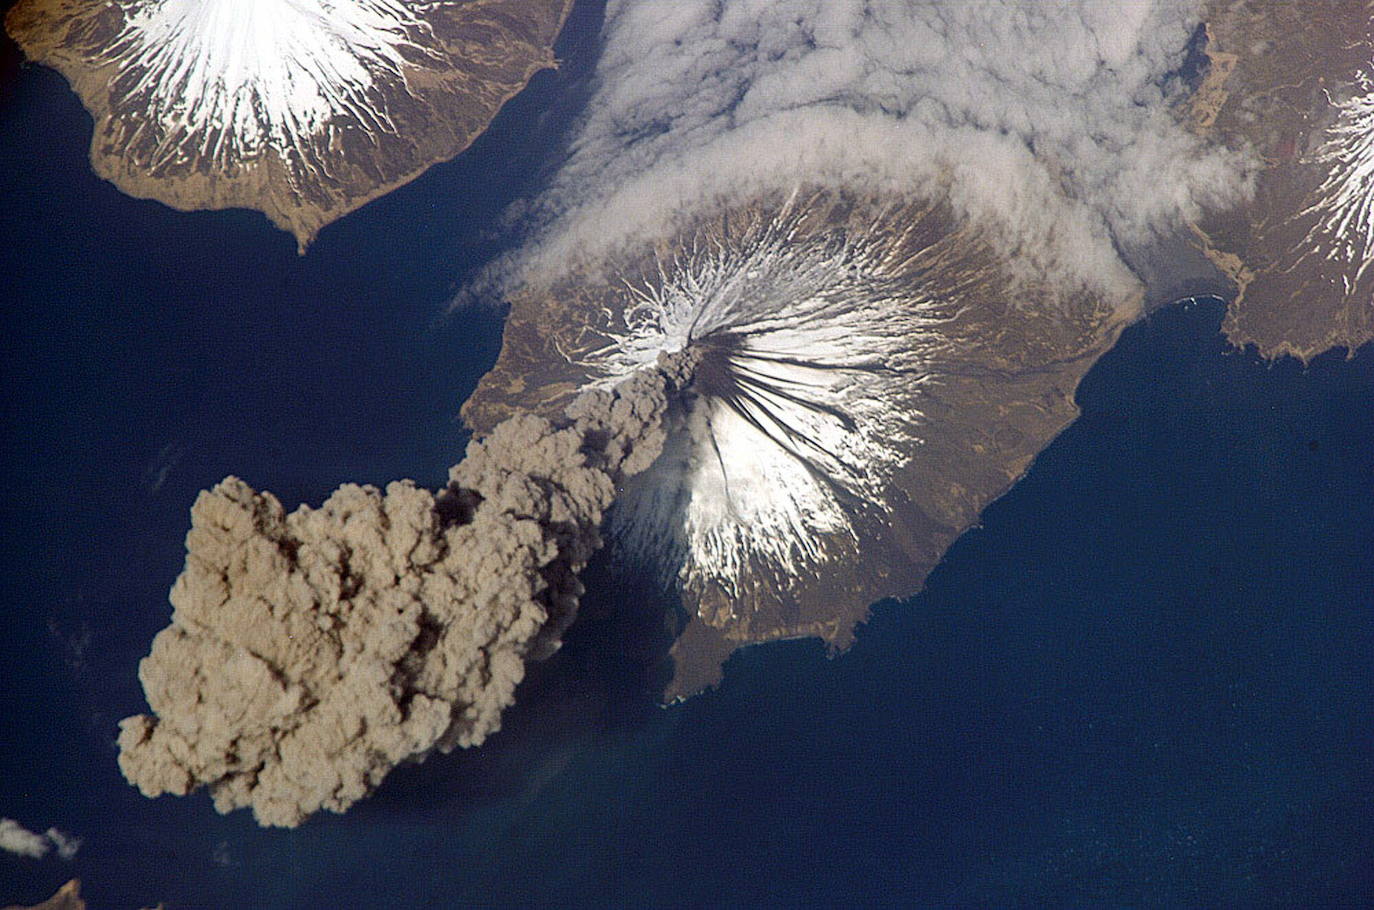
302	109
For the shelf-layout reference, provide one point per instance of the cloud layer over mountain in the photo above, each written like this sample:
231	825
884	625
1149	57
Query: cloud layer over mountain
1049	121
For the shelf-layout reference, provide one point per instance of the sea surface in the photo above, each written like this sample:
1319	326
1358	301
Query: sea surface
1147	678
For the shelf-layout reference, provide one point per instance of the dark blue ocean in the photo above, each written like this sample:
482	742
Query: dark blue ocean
1147	679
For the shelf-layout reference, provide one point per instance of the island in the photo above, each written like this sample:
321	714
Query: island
787	376
303	110
824	459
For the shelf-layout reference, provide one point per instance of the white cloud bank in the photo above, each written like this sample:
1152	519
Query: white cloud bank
16	839
1050	121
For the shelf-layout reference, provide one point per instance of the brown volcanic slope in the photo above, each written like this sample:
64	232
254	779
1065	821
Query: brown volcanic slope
945	413
68	897
1283	76
390	94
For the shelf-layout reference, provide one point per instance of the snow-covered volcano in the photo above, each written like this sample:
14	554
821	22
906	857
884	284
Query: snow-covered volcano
868	373
811	351
1296	83
304	109
229	79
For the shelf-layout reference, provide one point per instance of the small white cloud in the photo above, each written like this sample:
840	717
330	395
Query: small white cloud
66	844
16	839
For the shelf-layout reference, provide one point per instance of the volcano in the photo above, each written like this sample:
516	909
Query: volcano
302	109
869	373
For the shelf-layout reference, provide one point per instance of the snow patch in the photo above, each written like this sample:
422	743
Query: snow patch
228	78
1344	204
811	353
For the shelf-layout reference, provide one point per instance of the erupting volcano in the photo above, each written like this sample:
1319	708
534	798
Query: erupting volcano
810	352
867	375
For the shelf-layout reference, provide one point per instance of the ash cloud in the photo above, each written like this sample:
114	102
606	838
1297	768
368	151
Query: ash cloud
1049	122
310	653
16	839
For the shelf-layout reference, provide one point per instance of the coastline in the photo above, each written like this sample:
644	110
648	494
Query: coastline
264	183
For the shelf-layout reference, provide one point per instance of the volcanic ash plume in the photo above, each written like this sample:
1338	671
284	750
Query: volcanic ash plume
311	652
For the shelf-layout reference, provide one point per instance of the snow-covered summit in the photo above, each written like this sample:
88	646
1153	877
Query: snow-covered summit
232	78
303	109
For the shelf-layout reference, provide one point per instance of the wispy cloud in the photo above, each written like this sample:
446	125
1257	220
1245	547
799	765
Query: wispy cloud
15	838
1049	122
